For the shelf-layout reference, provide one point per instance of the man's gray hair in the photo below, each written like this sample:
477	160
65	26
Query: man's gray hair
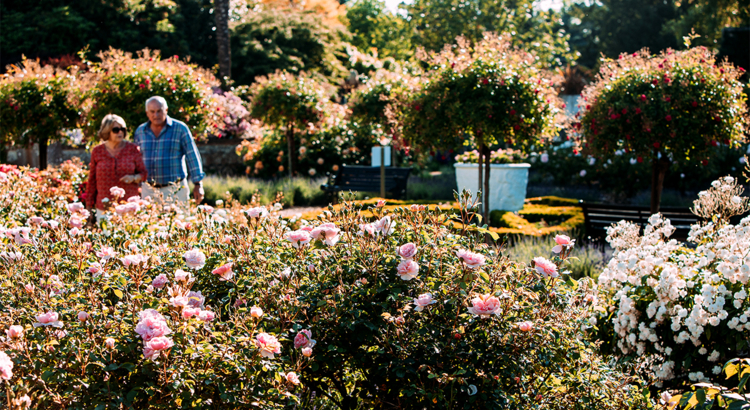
159	99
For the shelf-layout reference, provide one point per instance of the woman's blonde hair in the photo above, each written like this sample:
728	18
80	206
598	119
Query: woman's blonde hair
108	122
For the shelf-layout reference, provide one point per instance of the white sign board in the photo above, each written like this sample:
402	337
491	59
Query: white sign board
375	155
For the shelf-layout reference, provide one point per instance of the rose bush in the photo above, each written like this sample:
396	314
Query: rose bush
680	310
225	307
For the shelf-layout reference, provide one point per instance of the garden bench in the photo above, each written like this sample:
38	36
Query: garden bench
598	217
367	179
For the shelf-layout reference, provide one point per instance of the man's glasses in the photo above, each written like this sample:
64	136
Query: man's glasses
116	130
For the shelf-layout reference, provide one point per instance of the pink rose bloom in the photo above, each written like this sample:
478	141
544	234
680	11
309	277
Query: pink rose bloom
75	232
268	345
525	326
256	312
257	212
182	276
195	299
384	226
381	203
160	281
407	251
306	228
224	272
15	332
28	287
75	222
134	260
110	343
292	378
83	316
160	343
195	259
52	224
422	301
21	235
206	316
299	238
96	269
417	208
48	319
485	305
307	351
75	207
151	325
327	233
545	267
408	269
227	239
206	208
36	220
563	242
135	199
303	339
370	229
6	366
179	301
106	253
471	259
189	312
117	192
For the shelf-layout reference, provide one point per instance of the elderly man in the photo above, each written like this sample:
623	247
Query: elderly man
166	144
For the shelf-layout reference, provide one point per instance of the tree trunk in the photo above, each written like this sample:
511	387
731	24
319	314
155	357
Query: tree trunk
486	192
659	169
43	152
290	147
221	10
481	175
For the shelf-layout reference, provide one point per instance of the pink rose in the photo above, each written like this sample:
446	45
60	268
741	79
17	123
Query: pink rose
160	343
306	228
206	208
15	332
160	281
117	192
471	259
256	312
179	301
6	366
563	242
83	316
380	204
407	251
36	220
106	253
257	212
206	316
307	351
152	324
408	269
545	267
224	272
75	207
485	305
48	319
29	288
299	238
110	343
327	233
292	378
96	269
75	222
182	276
195	259
303	339
134	260
422	301
195	299
268	345
525	326
188	312
384	226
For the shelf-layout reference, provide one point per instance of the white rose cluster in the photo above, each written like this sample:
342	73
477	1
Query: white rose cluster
663	295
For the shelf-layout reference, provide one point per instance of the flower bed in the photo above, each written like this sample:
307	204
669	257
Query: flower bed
229	307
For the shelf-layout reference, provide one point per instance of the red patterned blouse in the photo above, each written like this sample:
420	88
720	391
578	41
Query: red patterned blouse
105	172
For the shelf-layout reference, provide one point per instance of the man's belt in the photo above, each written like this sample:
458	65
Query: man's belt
155	185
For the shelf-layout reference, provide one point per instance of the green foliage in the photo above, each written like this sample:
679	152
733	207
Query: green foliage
286	100
487	93
374	27
121	84
297	191
437	22
707	18
705	396
36	103
675	103
499	156
586	260
291	41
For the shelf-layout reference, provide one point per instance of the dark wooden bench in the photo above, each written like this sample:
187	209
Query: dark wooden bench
367	179
598	217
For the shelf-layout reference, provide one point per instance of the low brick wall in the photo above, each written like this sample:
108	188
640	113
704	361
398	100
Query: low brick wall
218	157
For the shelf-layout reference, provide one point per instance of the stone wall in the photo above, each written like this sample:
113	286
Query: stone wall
218	157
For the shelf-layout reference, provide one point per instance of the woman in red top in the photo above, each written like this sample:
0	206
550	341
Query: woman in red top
114	163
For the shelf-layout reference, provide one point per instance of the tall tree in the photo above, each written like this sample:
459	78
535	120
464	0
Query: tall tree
221	11
373	26
707	18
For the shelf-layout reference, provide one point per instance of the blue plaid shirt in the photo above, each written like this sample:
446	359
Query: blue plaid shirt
166	155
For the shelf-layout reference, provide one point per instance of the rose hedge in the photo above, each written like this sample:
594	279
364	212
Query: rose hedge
160	307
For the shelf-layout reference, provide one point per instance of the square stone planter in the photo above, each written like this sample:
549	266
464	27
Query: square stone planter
507	184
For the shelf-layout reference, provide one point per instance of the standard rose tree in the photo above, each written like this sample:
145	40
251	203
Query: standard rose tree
663	108
482	94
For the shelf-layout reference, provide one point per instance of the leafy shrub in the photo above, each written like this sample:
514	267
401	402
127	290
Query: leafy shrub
297	192
500	156
121	84
228	307
680	310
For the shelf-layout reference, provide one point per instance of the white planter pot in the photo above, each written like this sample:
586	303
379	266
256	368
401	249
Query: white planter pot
507	184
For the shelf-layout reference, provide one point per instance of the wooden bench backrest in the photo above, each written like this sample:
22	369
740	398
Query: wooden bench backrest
598	217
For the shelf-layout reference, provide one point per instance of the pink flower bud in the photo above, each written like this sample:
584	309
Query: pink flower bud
110	343
525	326
256	312
83	316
